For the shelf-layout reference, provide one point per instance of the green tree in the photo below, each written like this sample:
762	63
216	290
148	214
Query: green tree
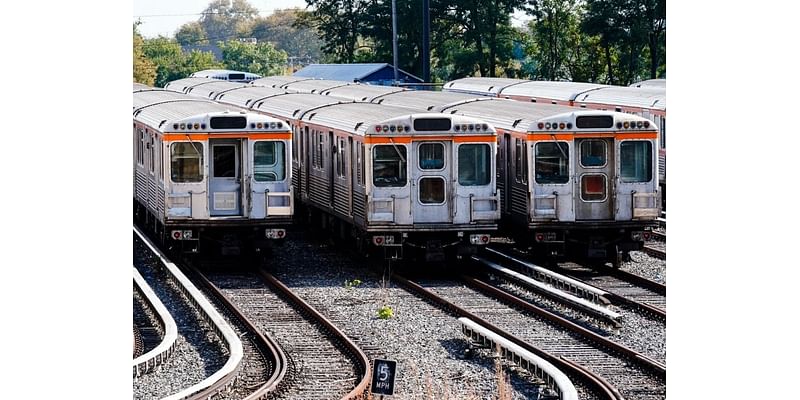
144	70
224	19
200	60
168	58
285	33
340	24
191	33
552	26
260	58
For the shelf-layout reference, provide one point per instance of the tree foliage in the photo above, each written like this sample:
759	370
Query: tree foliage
191	34
259	58
283	30
225	19
144	70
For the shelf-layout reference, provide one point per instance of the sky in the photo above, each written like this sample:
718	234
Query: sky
164	17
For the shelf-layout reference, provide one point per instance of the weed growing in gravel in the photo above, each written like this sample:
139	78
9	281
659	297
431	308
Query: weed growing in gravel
352	284
385	312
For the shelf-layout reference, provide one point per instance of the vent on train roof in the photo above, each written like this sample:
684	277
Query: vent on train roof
235	76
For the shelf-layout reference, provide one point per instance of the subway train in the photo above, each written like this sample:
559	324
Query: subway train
555	216
410	185
583	188
646	99
208	178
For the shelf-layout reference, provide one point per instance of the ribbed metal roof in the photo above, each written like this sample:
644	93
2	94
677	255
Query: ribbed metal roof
562	91
182	85
507	114
654	83
480	85
143	98
293	105
361	92
248	95
654	98
424	100
139	86
277	81
213	89
313	85
354	117
156	114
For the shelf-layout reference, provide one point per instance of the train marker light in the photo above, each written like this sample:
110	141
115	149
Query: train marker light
569	125
646	124
386	128
187	234
541	125
377	128
619	125
177	235
377	240
562	125
625	124
479	239
275	233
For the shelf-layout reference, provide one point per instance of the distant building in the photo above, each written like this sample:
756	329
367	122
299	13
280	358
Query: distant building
375	74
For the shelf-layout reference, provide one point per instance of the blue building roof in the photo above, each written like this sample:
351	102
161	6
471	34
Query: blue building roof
380	73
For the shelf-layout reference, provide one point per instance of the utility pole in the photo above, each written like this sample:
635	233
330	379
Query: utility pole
426	41
394	37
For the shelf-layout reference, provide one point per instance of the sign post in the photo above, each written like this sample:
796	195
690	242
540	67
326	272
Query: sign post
383	374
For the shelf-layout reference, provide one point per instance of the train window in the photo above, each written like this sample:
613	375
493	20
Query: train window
552	162
474	164
593	187
389	166
520	161
431	155
268	161
187	162
636	161
593	153
140	148
151	154
431	190
224	161
341	155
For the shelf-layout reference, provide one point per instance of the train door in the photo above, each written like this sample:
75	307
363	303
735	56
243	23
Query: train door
225	183
431	176
594	170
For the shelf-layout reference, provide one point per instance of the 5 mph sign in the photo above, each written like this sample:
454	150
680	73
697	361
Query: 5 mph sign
383	374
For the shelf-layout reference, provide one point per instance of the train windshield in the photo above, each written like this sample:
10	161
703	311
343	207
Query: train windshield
268	161
187	162
636	161
389	166
552	163
474	164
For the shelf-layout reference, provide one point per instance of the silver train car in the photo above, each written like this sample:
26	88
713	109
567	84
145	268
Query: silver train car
648	99
409	185
208	178
573	182
226	75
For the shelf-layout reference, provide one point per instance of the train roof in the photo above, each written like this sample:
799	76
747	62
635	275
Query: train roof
182	85
655	83
212	89
278	80
248	95
652	98
140	86
293	105
159	114
143	98
506	114
480	85
225	74
313	85
357	117
362	92
424	99
563	91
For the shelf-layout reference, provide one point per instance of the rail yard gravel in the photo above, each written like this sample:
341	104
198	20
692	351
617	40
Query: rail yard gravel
647	267
426	342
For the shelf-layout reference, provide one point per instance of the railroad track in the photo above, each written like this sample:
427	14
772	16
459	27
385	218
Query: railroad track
321	363
602	369
636	326
207	355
